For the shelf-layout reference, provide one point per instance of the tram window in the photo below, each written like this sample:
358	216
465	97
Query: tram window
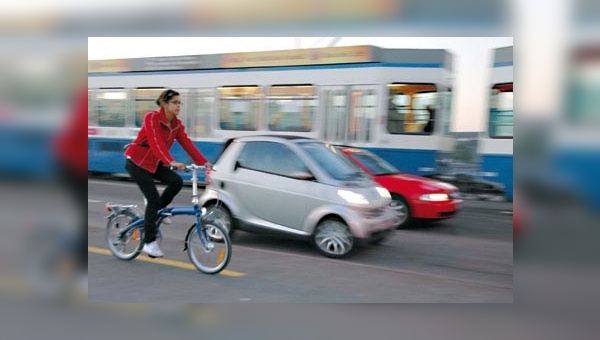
335	120
111	107
361	116
412	108
145	101
186	115
445	109
500	124
239	107
202	113
291	107
92	111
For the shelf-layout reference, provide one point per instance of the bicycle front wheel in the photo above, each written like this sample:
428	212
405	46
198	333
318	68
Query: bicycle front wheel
125	246
212	253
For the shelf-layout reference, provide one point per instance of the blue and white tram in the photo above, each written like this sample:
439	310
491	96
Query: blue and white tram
395	102
495	146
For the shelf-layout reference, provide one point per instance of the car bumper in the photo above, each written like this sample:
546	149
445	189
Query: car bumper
435	210
363	227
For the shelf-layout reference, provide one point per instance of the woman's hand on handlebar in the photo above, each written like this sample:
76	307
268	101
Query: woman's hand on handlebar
177	166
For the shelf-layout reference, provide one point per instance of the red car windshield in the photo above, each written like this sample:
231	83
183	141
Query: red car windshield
376	165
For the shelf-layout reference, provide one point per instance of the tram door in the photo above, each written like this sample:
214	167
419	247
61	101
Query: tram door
349	114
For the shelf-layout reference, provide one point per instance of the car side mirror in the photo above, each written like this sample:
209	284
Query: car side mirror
303	175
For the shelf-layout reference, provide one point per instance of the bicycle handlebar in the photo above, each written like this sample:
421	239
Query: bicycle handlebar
194	166
190	167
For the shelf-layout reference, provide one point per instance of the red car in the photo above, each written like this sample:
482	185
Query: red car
415	197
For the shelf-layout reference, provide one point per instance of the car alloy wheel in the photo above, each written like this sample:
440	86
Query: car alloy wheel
402	209
217	214
333	238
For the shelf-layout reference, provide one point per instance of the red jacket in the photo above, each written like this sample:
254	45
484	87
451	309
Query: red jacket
154	140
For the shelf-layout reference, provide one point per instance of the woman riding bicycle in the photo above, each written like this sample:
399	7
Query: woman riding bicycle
148	158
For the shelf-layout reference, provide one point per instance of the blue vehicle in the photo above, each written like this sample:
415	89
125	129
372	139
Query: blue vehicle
394	102
495	146
572	159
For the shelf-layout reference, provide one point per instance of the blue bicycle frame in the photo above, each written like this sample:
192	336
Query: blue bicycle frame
174	211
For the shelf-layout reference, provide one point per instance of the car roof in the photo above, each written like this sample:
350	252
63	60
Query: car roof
271	137
268	137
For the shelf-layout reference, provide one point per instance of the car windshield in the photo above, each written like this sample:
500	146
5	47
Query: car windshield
375	164
332	161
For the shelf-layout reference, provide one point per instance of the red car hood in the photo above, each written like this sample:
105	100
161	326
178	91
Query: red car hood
416	181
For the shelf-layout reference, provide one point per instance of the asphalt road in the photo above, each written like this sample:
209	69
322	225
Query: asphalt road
468	258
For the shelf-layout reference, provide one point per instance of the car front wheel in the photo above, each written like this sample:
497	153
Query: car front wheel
218	213
402	209
333	239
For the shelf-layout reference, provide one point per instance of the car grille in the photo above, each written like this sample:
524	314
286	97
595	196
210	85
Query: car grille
447	214
374	213
454	195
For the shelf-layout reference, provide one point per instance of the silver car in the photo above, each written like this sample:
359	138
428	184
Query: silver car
297	186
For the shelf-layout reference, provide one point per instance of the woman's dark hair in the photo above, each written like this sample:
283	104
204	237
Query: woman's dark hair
165	96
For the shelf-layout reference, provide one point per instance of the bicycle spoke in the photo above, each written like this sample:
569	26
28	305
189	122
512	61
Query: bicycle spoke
208	256
125	246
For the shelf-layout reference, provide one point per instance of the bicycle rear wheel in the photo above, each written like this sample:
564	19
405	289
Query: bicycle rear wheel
212	255
129	245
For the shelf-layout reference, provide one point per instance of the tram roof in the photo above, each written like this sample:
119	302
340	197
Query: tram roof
296	57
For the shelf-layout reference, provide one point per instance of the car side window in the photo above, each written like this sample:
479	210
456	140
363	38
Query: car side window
247	158
285	161
270	157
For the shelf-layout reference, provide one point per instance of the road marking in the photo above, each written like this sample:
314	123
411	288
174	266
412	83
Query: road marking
166	262
94	201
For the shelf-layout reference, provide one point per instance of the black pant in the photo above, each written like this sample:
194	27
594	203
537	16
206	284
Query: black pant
145	180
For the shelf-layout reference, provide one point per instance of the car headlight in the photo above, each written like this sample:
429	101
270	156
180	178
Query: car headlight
352	197
383	192
434	197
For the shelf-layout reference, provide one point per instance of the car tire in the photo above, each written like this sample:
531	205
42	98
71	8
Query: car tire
220	213
402	208
333	238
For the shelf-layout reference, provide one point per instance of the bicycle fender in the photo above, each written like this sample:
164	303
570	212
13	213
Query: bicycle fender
187	235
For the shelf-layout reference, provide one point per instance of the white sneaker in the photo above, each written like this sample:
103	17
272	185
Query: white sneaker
152	249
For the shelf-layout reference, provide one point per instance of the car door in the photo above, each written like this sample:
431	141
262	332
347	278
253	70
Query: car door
266	182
